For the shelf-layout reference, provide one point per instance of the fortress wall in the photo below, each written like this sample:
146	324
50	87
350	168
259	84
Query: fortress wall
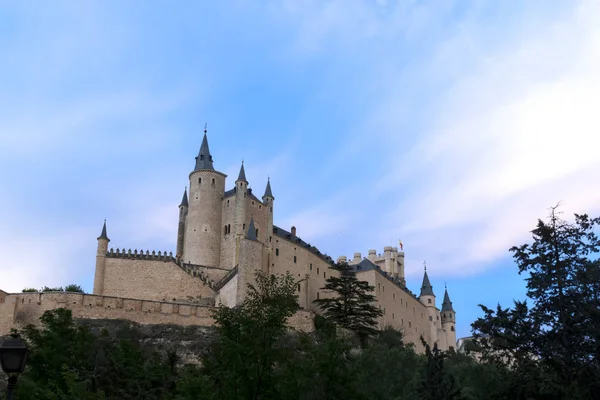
228	242
22	309
307	266
228	293
152	280
401	310
257	210
27	308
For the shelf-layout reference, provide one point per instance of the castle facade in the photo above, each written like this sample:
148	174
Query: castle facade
223	237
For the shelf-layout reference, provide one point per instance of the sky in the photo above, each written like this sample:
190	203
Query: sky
450	125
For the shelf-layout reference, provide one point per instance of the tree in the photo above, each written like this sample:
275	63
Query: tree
436	383
74	288
250	339
558	336
353	306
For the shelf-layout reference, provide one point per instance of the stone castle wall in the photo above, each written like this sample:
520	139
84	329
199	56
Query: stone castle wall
152	280
26	308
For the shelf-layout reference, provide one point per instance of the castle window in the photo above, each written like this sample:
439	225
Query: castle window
452	328
213	181
394	296
227	203
317	270
437	317
324	275
294	259
392	315
252	202
276	252
199	181
271	209
428	301
259	207
225	230
430	318
401	300
379	286
317	295
383	288
298	287
444	316
256	232
245	194
311	266
228	228
409	324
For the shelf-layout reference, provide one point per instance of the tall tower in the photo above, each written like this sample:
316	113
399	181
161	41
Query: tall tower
183	210
240	210
449	320
101	261
427	297
268	200
202	238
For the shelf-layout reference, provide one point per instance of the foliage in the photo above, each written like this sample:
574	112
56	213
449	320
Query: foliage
74	288
250	342
353	306
553	342
30	290
436	383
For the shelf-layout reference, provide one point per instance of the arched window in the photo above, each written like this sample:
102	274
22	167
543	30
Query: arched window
199	181
452	328
213	181
256	232
225	230
294	259
428	301
276	252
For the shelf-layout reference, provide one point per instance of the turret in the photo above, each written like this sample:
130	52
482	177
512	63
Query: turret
449	320
251	258
427	297
183	210
387	257
268	201
202	237
101	261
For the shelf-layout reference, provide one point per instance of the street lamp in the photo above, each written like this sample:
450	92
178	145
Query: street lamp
13	357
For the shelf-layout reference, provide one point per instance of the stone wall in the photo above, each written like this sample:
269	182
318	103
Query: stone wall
152	280
21	309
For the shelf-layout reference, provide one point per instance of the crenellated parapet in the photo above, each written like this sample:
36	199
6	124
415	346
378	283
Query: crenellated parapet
141	255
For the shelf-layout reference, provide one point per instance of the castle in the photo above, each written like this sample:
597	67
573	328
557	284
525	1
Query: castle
223	237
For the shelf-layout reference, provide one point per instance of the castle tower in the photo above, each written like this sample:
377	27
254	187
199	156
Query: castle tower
101	261
202	237
240	210
268	200
449	320
427	297
250	260
183	210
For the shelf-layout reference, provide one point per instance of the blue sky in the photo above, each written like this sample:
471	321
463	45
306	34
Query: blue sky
450	125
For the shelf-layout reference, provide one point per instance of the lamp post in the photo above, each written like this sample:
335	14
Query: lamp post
13	357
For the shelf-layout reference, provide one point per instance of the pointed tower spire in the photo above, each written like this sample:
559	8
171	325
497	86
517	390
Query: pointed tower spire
447	304
268	192
251	230
426	288
103	234
204	159
242	175
184	200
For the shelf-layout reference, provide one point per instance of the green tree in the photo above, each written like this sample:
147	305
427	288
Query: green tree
436	382
353	306
555	341
74	288
250	340
30	290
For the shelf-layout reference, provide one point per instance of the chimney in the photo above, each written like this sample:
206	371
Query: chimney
293	231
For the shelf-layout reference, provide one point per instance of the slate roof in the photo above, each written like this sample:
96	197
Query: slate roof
447	304
242	175
426	288
184	200
251	230
268	192
204	159
103	234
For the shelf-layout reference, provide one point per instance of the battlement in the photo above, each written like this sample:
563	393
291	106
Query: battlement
226	279
21	309
140	255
